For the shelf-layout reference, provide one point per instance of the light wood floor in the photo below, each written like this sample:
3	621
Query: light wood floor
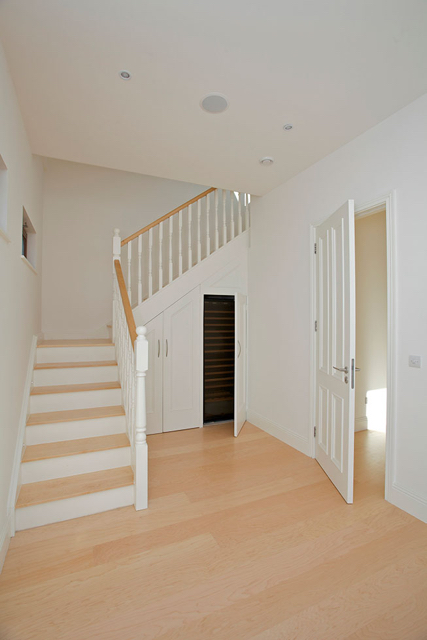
244	539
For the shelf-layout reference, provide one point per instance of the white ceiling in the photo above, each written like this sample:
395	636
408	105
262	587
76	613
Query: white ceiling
333	68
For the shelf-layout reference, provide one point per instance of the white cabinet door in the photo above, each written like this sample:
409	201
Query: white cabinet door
154	379
335	314
240	363
181	364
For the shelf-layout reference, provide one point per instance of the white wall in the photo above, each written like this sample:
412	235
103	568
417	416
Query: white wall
371	317
392	155
20	287
82	205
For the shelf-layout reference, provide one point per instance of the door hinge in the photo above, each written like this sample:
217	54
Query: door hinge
315	247
315	431
315	325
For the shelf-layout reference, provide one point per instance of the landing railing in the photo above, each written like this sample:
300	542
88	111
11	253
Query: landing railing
132	358
165	249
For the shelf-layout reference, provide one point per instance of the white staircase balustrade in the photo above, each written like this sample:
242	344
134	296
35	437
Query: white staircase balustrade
131	348
188	241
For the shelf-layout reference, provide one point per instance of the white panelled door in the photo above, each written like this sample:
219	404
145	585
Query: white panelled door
240	363
335	353
154	378
181	363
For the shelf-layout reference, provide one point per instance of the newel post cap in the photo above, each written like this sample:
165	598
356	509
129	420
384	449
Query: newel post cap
116	231
141	349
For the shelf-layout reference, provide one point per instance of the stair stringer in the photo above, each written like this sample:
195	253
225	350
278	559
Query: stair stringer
224	271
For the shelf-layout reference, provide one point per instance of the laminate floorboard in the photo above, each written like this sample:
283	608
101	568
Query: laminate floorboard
244	539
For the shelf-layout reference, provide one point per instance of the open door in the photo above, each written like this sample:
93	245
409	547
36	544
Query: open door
240	363
335	348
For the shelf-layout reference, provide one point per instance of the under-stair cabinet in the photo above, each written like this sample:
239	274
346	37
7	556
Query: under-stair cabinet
174	375
194	352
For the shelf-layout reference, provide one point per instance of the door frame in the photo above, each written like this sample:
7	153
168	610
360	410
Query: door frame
219	292
361	210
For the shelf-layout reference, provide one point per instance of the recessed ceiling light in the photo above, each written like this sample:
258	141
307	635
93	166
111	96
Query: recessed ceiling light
125	75
214	103
288	127
266	161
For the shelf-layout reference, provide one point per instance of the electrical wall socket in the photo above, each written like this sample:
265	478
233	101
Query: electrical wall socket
415	361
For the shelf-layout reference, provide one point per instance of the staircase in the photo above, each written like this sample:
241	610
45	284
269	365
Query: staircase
77	459
85	437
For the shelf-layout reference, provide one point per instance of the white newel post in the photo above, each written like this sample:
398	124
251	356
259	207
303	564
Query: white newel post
117	249
141	449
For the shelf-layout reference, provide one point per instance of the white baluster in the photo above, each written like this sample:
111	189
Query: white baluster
224	217
117	249
140	417
190	250
248	210
239	213
129	283
232	214
139	269
180	243
150	262
199	240
170	249
160	255
216	221
208	231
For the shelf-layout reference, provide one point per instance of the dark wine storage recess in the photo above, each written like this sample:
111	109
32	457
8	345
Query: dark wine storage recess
218	351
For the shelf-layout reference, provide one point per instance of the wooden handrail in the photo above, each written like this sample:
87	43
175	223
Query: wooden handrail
126	303
167	215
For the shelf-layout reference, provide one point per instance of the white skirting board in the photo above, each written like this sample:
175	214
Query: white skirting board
280	432
4	542
14	481
361	424
407	501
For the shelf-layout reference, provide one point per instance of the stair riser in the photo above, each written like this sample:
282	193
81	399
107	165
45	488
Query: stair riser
47	377
75	354
66	466
77	400
60	510
60	431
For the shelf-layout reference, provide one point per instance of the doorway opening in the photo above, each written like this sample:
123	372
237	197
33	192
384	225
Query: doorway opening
218	358
333	347
371	321
371	346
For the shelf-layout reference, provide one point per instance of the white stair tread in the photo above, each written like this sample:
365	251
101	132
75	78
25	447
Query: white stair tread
50	417
75	365
75	388
73	486
74	447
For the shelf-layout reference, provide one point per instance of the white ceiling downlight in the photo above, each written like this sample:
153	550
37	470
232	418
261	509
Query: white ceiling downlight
288	127
267	161
125	75
214	103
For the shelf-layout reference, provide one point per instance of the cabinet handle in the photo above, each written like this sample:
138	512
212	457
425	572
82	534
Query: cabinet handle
240	348
158	348
167	348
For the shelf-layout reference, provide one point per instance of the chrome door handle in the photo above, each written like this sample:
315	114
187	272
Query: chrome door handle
158	348
345	370
167	348
240	348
